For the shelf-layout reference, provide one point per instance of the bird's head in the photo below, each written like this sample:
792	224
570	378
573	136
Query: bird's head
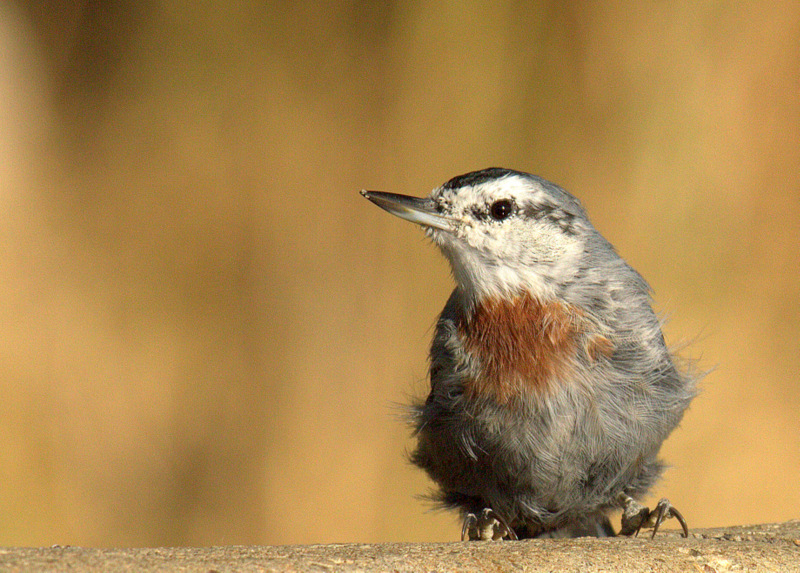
504	232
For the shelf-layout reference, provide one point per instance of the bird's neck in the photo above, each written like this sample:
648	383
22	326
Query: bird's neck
522	344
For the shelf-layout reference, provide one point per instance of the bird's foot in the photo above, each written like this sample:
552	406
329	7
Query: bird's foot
488	526
635	516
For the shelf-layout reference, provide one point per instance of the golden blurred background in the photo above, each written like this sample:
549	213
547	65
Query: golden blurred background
206	331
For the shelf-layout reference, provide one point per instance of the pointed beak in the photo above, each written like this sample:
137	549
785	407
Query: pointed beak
420	211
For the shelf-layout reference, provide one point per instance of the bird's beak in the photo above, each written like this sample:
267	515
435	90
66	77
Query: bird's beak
414	209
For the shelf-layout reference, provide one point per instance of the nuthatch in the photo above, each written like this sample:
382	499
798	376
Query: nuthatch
552	389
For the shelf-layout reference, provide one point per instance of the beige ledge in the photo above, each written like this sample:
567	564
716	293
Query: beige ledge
772	547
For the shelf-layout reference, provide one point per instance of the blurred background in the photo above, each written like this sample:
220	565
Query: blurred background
205	331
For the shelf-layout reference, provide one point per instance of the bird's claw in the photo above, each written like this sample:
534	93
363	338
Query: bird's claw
665	510
635	516
489	526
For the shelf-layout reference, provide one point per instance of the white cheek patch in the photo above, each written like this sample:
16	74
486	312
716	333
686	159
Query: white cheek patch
490	257
481	273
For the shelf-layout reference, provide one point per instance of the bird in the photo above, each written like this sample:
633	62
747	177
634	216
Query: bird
551	386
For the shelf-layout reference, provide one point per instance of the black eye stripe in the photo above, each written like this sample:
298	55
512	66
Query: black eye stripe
565	220
501	209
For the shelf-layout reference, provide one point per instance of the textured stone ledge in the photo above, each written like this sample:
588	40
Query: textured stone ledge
772	547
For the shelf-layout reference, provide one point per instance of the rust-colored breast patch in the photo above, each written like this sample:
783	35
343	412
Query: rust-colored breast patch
522	344
597	346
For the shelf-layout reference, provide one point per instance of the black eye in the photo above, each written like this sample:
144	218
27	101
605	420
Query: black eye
501	209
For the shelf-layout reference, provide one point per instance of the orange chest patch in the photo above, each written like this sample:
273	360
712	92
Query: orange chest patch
521	345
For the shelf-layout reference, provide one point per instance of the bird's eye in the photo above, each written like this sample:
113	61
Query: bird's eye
501	209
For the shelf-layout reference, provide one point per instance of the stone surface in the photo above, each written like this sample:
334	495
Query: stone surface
772	547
